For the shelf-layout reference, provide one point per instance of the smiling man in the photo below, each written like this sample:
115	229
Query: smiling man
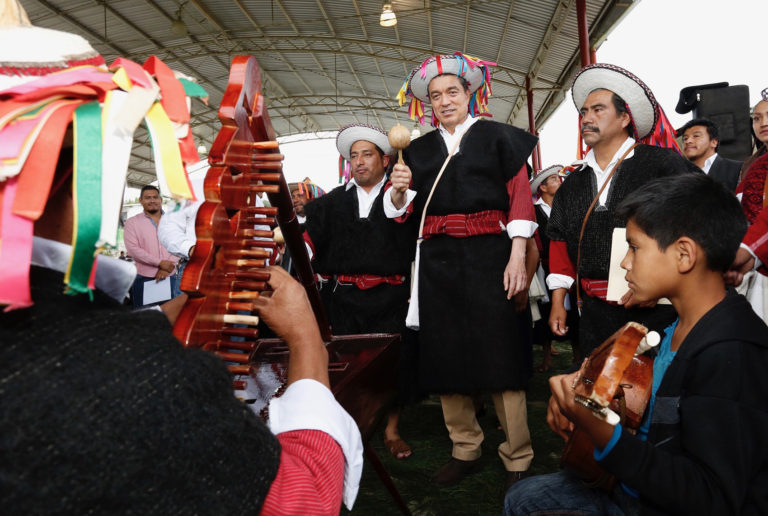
701	140
477	216
366	256
153	261
625	129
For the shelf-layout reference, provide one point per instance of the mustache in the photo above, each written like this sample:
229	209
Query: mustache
592	128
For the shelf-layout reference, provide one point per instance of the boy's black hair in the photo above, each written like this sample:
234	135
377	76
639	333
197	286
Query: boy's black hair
692	205
148	187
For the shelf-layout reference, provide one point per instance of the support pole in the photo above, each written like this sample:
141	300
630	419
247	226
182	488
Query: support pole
536	155
581	23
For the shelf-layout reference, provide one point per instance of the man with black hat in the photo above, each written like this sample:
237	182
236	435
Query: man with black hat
366	255
467	183
626	131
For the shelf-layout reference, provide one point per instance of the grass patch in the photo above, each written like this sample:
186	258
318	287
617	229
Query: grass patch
423	428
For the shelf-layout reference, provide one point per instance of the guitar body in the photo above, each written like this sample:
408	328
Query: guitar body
611	377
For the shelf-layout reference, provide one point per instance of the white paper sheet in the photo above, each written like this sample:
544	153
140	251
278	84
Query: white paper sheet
617	285
155	292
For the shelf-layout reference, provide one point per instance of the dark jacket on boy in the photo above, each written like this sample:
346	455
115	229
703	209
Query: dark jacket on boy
706	450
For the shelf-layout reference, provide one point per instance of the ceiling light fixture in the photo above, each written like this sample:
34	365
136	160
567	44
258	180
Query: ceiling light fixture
387	18
178	27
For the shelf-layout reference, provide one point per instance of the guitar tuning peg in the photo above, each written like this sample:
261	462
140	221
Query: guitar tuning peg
651	340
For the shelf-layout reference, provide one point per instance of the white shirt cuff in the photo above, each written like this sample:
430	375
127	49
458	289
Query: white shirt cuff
309	405
555	281
758	263
521	228
184	248
389	208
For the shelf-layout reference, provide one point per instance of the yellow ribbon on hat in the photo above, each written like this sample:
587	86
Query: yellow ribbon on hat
170	170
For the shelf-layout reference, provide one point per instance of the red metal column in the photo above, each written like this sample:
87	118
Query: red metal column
581	22
532	125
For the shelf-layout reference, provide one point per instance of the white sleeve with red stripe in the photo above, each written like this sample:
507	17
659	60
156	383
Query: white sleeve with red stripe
310	477
394	213
309	405
521	215
562	273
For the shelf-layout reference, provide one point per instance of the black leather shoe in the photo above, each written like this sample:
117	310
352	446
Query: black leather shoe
454	471
513	477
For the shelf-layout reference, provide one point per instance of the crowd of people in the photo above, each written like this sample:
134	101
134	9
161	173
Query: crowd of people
459	247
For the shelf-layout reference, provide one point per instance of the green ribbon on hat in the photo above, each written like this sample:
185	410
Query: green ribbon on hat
86	182
192	89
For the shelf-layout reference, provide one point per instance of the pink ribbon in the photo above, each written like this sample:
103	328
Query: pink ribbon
15	252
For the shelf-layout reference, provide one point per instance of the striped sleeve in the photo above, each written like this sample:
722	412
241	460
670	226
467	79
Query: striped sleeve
310	477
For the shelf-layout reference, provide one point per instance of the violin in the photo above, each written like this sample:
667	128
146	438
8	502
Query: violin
615	383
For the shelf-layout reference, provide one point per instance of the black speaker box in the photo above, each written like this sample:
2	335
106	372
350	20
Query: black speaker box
728	107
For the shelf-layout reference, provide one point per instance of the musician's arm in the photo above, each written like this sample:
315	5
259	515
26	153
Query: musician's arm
308	403
598	431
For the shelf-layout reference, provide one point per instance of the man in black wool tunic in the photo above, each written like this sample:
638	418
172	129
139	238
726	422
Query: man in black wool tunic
471	259
366	255
631	142
102	410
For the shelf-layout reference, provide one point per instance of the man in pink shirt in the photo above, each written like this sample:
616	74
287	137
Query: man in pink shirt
153	261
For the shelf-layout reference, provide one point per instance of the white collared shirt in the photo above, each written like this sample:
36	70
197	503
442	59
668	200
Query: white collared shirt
708	163
544	206
602	174
365	199
458	132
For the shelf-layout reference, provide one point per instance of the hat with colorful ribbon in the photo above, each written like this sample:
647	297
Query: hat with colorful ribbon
61	84
648	122
542	176
308	188
475	71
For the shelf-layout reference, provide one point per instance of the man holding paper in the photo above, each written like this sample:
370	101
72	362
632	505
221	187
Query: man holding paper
631	142
156	276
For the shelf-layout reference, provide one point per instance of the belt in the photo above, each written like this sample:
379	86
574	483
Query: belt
462	225
597	288
366	281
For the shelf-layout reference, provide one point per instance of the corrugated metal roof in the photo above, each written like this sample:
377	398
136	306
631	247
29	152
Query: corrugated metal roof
328	63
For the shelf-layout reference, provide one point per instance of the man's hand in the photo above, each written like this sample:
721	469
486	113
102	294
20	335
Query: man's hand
160	275
743	263
564	413
172	308
628	301
558	313
515	275
556	420
401	181
167	266
287	311
521	300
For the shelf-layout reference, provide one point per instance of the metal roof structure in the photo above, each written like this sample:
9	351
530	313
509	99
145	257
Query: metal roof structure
327	63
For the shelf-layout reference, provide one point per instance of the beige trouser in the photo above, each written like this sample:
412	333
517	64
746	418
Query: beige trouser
467	436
